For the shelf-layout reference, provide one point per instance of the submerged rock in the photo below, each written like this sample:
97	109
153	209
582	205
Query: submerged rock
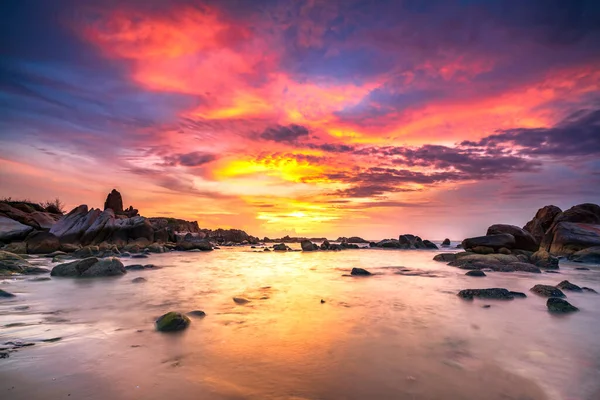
197	313
446	242
518	294
475	272
307	245
6	294
560	306
172	321
360	272
547	291
445	257
240	300
587	289
140	267
492	293
280	247
566	285
139	279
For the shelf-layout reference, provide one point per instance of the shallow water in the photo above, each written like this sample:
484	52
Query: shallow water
394	335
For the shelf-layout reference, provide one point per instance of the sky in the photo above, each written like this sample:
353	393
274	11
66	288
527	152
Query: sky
307	118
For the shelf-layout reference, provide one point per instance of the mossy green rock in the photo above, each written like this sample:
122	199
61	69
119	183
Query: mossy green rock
560	306
172	321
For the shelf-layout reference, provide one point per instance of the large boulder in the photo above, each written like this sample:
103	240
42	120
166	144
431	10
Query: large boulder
307	245
494	241
557	305
11	230
567	238
523	239
114	201
42	243
356	239
21	214
71	227
543	259
193	242
591	255
90	268
542	222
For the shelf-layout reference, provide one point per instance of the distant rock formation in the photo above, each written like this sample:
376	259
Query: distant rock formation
406	241
114	201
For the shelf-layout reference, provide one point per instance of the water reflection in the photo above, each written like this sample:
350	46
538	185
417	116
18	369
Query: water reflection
386	336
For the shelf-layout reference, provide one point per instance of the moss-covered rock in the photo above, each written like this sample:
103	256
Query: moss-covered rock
172	321
566	285
492	293
560	306
547	291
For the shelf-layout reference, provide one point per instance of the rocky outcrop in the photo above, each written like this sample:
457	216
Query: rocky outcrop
193	242
495	241
591	255
523	239
406	241
35	217
573	230
542	222
560	306
42	243
307	245
325	245
11	230
90	268
494	262
114	201
229	235
280	247
446	242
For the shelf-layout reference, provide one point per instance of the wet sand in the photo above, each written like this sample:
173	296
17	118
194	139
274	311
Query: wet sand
394	335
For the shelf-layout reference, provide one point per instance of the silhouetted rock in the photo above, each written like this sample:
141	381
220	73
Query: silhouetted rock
307	245
360	272
494	241
542	222
197	314
492	293
446	242
547	291
325	245
172	321
475	272
355	239
560	306
429	244
566	285
523	239
193	242
114	201
280	247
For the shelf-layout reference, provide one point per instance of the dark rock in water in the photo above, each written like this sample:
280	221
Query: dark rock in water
360	272
523	239
139	256
6	294
591	255
429	244
172	321
307	245
90	268
547	291
492	293
542	222
446	242
582	269
543	259
240	300
475	272
139	279
42	243
518	294
560	306
265	249
114	201
280	247
322	301
494	241
194	242
567	238
197	313
140	267
40	279
566	285
525	267
486	306
587	289
445	257
550	271
391	244
325	245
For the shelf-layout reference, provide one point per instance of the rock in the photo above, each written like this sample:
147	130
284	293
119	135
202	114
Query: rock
446	242
325	245
156	248
429	244
475	272
140	267
504	250
72	226
524	267
194	242
172	321
44	220
16	248
570	237
518	294
280	247
483	250
90	267
42	243
495	262
86	252
543	259
560	306
523	239
139	279
566	285
11	230
40	279
542	222
445	257
74	268
582	269
591	255
307	245
355	239
14	264
492	293
6	294
587	289
547	291
240	300
392	244
360	272
197	313
114	201
494	241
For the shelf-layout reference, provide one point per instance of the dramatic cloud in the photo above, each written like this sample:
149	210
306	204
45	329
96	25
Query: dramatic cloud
286	134
193	159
